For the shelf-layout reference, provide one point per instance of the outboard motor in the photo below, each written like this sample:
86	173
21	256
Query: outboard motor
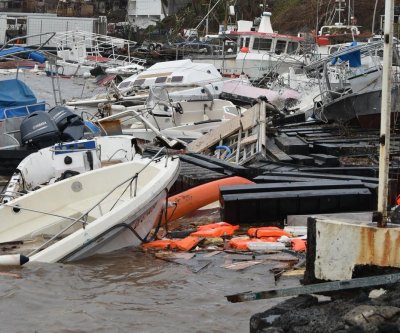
70	125
38	130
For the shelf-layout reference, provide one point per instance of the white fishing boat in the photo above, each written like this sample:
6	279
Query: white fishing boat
256	51
92	213
185	77
63	160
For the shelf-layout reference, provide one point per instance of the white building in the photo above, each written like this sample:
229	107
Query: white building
143	13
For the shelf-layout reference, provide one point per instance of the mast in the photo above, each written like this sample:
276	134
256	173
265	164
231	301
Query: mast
384	139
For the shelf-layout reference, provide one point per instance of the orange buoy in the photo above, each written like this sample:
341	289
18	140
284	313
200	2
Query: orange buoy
199	196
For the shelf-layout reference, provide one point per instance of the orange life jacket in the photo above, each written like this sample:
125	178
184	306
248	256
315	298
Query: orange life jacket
299	245
267	232
217	230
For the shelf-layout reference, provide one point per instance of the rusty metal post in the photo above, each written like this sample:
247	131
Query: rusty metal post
384	140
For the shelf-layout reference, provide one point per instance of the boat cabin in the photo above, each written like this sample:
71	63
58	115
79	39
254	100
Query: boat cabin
264	39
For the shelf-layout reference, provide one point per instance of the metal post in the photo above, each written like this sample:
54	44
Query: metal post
385	112
373	17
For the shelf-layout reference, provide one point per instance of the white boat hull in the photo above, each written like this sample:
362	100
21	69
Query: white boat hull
114	219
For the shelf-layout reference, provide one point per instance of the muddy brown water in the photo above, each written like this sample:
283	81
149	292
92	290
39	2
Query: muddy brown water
128	290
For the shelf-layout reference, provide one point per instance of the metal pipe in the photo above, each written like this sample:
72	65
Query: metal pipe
385	113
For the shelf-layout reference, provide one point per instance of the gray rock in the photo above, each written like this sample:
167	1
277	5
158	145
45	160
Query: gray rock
369	317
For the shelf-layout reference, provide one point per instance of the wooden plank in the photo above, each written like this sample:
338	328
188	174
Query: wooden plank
237	266
249	139
226	129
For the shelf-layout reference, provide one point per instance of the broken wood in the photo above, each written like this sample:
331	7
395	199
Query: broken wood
237	266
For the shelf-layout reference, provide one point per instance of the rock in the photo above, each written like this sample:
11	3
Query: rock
272	330
368	317
376	293
388	328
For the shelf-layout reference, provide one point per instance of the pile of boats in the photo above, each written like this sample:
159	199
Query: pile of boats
80	187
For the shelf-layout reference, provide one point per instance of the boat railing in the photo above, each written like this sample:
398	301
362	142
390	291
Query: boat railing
123	60
131	183
325	97
11	127
367	48
47	36
8	141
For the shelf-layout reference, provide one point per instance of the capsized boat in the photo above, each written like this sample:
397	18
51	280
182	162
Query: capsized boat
92	213
185	77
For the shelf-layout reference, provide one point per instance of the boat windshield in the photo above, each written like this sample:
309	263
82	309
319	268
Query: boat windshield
292	47
263	44
280	46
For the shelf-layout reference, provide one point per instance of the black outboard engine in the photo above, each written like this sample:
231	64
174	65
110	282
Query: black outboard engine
70	125
38	130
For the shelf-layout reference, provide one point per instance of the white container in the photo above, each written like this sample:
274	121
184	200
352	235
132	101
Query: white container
265	246
296	230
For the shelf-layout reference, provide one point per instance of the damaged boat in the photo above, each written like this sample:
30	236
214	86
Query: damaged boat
68	159
86	215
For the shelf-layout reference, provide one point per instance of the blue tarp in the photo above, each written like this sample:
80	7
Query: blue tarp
34	55
16	94
354	58
12	50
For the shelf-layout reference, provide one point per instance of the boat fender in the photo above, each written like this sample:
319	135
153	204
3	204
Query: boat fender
13	260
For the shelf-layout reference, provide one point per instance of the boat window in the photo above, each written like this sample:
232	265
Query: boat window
245	41
161	79
138	82
177	79
280	46
262	44
292	47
